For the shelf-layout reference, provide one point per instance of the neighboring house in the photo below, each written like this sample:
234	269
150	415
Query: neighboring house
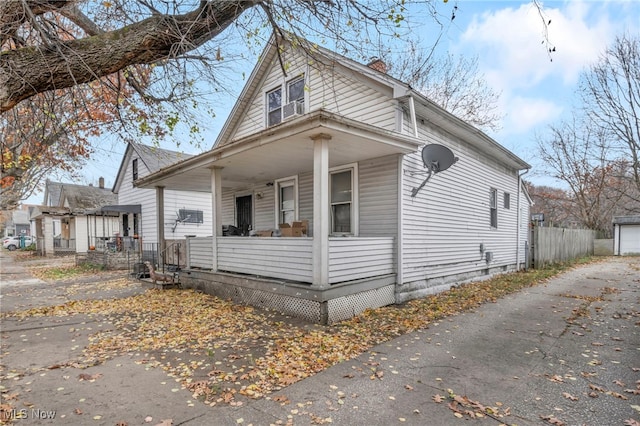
184	213
626	235
75	210
17	222
52	192
338	144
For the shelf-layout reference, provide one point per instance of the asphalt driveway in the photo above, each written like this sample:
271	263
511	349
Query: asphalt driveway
564	352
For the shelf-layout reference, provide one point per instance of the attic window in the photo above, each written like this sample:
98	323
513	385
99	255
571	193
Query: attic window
279	109
134	166
190	216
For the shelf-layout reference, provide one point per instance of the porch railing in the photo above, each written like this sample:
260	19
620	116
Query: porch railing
283	258
64	244
292	258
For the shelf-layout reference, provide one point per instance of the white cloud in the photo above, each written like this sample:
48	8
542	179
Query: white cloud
524	114
512	55
536	91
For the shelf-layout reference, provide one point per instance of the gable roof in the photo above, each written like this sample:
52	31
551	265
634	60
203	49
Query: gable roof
154	158
263	66
403	92
82	198
52	190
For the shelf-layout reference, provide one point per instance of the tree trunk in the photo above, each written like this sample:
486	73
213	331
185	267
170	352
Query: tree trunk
30	70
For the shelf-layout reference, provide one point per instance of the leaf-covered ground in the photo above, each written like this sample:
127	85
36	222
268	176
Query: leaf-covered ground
220	350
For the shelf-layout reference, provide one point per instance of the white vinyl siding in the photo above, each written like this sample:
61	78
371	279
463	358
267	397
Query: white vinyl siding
378	197
255	119
353	97
286	258
341	92
200	252
357	258
173	202
305	199
447	221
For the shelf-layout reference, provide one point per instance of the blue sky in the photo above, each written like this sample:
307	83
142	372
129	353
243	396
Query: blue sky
506	36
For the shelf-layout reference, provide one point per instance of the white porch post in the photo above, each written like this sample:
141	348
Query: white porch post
160	217
47	231
216	213
320	210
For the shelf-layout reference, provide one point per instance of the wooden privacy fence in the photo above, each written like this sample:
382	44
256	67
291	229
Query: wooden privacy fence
551	245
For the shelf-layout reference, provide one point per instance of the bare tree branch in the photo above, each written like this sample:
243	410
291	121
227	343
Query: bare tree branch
27	71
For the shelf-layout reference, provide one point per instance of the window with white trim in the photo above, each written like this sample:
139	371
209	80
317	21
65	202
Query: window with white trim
278	108
507	201
287	199
343	196
493	207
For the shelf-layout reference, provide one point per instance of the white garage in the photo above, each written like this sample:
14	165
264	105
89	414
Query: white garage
626	235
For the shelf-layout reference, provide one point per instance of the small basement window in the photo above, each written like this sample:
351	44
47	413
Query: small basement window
190	216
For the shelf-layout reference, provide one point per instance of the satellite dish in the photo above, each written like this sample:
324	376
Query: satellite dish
437	158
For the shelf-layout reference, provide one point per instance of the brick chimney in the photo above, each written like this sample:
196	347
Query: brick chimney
101	182
378	65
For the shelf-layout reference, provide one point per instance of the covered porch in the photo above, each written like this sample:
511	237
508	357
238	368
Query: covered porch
327	165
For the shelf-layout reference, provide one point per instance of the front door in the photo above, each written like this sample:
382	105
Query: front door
244	214
125	225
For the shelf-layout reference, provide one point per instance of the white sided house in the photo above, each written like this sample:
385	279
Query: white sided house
68	223
338	144
184	212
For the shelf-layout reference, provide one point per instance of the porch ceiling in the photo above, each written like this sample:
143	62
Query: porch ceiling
279	152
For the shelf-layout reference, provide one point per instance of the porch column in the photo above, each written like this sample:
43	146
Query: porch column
320	210
47	231
160	224
216	213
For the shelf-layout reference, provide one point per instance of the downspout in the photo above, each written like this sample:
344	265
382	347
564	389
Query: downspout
518	219
400	230
414	119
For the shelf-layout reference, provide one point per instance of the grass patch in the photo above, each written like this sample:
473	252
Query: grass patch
65	272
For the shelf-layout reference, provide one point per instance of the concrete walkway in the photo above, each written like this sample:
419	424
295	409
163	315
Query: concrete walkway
565	352
14	273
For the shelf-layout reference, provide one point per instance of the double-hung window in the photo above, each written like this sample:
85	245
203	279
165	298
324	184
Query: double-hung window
280	107
343	199
493	207
286	199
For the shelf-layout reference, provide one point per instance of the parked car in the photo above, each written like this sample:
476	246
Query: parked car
12	243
